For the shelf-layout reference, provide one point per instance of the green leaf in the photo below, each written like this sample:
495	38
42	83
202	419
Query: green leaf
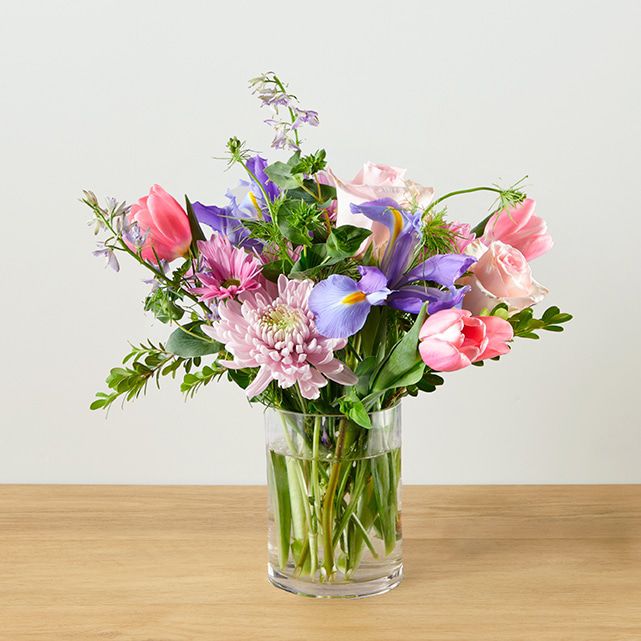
320	194
553	328
280	173
312	260
501	310
344	241
281	505
403	366
242	378
364	371
550	313
353	408
273	270
189	345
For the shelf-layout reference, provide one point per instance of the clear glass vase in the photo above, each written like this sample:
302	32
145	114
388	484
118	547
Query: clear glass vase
334	503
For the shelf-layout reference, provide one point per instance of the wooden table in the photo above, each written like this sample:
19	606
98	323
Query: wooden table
119	563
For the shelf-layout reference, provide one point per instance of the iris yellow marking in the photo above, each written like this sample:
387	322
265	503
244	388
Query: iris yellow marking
252	197
354	297
398	223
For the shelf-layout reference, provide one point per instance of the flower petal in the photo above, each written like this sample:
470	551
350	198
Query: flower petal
339	305
444	269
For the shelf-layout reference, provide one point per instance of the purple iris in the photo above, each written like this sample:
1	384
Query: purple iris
246	202
341	305
224	221
256	164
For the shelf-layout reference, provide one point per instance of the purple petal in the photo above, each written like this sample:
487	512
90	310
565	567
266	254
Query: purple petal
215	217
372	279
411	298
256	165
399	254
444	269
384	210
225	221
336	315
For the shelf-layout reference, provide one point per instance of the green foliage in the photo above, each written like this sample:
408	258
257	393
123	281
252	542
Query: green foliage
354	408
189	341
143	363
161	302
436	236
193	381
364	371
149	362
312	192
311	164
275	268
345	240
430	381
299	221
526	326
282	174
403	366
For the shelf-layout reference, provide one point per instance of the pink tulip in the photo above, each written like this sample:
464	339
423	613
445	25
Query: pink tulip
453	339
463	235
519	227
163	224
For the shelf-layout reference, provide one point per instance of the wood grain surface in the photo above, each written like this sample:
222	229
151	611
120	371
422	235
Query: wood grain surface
167	563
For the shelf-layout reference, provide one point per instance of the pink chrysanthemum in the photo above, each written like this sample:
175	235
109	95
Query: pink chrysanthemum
226	270
279	336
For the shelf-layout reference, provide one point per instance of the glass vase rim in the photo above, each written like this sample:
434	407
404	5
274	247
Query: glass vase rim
396	406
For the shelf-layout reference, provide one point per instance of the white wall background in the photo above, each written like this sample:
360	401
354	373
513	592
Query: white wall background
117	95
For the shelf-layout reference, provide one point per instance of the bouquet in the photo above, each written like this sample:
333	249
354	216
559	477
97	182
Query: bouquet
327	301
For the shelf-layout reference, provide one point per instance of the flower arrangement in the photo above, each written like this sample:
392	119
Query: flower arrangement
325	297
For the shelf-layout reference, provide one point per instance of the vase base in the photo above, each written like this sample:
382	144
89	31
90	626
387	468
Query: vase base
346	590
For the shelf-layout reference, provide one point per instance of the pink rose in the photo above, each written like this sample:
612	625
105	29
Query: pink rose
501	275
163	223
375	181
453	339
519	227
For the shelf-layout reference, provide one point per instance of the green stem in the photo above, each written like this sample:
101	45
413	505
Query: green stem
156	271
328	501
458	192
316	491
292	115
252	175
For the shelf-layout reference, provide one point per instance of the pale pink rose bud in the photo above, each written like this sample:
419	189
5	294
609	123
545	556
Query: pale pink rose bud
519	227
163	224
501	275
453	339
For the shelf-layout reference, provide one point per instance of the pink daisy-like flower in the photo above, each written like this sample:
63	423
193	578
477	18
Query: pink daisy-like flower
278	335
226	271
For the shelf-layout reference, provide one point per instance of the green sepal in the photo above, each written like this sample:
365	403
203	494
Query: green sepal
196	230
